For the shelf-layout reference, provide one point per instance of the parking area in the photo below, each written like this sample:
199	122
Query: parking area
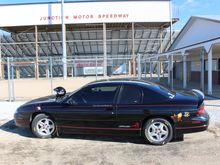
18	146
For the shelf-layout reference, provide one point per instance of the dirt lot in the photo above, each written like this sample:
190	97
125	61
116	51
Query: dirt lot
26	89
18	146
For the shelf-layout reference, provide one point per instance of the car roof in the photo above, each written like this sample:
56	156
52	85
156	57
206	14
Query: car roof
134	81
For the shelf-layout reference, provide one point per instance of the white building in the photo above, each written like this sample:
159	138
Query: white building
195	53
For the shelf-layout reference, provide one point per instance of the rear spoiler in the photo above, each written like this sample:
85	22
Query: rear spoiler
200	95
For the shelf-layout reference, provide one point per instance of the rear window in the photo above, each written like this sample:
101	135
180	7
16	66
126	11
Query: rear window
151	96
130	95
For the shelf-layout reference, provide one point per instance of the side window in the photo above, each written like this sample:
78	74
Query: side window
130	95
76	99
101	94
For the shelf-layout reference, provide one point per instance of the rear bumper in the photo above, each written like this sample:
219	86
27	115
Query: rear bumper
196	124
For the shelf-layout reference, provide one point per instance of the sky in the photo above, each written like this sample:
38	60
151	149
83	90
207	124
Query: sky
182	9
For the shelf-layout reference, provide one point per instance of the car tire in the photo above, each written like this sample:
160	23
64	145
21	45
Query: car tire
157	131
43	126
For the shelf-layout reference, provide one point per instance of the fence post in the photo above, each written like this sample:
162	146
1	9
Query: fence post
12	80
75	66
139	66
151	70
145	69
9	81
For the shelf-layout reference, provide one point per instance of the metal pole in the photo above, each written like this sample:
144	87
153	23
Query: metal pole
9	81
104	50
130	68
161	41
96	74
1	76
160	67
145	69
63	41
36	53
12	81
169	66
184	72
139	67
171	23
51	75
202	72
158	70
75	67
72	70
150	70
210	72
133	50
171	71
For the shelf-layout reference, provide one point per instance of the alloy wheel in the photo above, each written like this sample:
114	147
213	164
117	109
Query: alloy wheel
45	127
157	131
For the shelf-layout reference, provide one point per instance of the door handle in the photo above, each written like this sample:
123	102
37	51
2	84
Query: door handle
107	107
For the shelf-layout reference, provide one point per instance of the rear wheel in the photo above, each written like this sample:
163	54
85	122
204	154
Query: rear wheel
43	126
158	131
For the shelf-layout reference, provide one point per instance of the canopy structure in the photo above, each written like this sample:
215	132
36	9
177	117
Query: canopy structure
120	31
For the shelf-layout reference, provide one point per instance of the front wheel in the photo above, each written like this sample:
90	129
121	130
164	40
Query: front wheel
43	126
158	131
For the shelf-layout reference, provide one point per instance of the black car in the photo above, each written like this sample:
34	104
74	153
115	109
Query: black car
127	107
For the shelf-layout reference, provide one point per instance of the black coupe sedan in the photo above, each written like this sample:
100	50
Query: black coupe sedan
130	107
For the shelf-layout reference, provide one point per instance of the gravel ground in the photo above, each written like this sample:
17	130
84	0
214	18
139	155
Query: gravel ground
7	109
18	146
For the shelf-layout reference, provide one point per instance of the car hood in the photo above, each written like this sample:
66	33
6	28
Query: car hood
41	100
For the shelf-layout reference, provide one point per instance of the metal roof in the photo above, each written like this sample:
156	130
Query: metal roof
82	44
86	43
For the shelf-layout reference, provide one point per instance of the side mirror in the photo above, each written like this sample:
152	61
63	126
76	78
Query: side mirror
60	92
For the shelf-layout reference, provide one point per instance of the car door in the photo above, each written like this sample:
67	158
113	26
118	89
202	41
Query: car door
91	109
130	109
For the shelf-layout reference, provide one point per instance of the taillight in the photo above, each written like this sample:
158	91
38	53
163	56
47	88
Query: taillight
201	110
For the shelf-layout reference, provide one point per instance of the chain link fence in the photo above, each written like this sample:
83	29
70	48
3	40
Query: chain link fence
21	78
27	78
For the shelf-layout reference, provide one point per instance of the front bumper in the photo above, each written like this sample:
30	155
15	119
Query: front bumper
21	120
